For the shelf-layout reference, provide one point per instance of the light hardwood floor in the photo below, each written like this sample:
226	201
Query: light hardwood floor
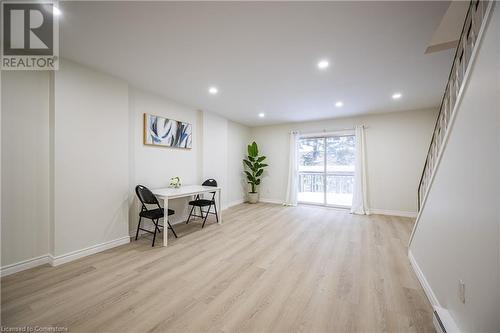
268	268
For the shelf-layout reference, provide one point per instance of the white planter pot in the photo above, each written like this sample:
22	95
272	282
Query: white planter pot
253	197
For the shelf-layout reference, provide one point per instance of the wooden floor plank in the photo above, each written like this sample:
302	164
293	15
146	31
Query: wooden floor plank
268	268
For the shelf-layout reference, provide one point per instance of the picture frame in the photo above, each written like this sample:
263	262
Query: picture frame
164	132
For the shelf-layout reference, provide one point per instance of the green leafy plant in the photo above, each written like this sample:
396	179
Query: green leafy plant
254	163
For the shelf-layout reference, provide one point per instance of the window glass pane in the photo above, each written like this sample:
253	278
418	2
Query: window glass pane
339	189
311	188
311	170
312	154
340	153
340	156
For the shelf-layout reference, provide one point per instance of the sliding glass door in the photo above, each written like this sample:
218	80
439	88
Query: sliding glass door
326	170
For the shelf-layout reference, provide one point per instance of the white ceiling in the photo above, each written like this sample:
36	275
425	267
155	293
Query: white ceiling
262	56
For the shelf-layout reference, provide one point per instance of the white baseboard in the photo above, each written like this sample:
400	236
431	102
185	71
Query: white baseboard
445	320
25	264
372	211
444	315
173	221
273	201
423	281
234	203
393	212
64	258
178	220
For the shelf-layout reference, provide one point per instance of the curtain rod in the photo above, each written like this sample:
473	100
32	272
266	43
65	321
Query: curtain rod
331	130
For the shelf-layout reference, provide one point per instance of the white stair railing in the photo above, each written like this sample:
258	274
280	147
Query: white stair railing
473	26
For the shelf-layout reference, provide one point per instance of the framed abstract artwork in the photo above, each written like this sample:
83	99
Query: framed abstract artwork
160	131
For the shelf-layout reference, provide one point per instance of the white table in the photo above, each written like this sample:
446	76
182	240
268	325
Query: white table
168	193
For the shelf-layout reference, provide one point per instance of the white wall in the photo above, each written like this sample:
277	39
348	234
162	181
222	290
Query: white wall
224	147
238	137
215	156
154	166
458	231
396	143
81	153
218	143
86	152
25	165
90	158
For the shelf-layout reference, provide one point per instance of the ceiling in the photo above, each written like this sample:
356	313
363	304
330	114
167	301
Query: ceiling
262	56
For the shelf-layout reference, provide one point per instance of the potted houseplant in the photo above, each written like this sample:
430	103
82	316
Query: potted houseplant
254	163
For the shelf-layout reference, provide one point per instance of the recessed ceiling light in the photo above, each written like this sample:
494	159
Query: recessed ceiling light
396	96
339	104
323	64
213	90
261	115
56	11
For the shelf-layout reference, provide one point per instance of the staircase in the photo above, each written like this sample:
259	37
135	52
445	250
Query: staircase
454	249
473	27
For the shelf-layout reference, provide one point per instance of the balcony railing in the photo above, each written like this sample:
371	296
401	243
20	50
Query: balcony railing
474	21
339	188
335	182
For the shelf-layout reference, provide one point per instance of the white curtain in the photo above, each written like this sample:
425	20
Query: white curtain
293	174
360	195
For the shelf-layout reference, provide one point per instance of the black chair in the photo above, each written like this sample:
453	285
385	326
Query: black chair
199	202
148	198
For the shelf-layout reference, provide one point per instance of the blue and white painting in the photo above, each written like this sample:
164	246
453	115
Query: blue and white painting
159	131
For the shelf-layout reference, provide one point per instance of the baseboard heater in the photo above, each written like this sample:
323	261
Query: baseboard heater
443	322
